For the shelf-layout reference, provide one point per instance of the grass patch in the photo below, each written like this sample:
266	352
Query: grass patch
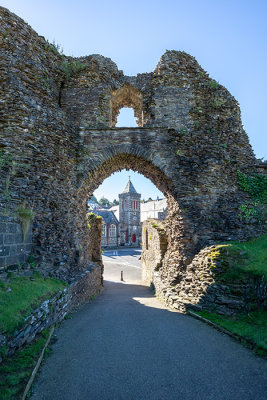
252	326
24	297
238	262
15	371
247	258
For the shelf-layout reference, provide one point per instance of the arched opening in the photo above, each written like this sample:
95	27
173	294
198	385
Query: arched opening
126	197
126	118
126	96
179	249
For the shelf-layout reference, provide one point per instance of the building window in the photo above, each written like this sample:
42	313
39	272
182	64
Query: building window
104	230
112	231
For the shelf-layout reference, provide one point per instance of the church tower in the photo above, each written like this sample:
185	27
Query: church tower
130	226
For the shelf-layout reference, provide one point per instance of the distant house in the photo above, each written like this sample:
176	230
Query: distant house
92	205
154	209
116	210
110	228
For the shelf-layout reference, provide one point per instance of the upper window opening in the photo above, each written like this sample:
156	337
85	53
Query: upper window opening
129	97
126	118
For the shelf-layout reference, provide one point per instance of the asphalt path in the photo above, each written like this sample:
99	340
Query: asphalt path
126	345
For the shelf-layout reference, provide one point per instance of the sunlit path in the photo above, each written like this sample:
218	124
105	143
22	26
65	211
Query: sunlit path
126	345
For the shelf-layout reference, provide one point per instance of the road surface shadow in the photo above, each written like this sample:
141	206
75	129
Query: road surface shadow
126	345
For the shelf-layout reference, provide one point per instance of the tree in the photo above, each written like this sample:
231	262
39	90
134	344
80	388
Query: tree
115	202
104	202
93	198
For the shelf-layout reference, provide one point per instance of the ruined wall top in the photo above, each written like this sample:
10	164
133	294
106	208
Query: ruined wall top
91	90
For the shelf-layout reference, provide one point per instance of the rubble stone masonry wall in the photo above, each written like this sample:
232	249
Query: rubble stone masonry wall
200	286
58	142
54	309
14	248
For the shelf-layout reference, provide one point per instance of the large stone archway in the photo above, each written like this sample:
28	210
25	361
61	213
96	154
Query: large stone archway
58	144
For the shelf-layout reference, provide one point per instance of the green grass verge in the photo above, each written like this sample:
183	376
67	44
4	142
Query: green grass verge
24	297
251	256
252	326
243	259
15	371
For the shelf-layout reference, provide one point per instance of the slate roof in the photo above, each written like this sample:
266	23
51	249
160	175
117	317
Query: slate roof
107	216
129	188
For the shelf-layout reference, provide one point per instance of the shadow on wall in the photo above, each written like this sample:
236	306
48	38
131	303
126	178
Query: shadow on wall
203	284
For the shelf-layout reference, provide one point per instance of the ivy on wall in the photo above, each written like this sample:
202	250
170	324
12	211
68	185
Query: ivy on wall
256	186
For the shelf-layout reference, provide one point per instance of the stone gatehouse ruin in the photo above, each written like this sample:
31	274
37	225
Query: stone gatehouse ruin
59	141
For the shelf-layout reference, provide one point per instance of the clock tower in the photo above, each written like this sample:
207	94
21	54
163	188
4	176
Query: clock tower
130	227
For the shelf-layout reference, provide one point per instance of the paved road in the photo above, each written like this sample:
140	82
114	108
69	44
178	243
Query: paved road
125	345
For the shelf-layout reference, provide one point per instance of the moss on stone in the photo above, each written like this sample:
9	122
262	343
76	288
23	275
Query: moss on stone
22	295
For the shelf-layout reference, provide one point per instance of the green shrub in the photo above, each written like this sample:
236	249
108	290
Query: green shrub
5	158
182	131
255	185
249	210
213	84
217	103
55	47
70	68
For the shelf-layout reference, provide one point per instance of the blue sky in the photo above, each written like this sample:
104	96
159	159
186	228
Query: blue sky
227	37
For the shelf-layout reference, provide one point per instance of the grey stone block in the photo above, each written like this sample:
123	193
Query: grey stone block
28	248
2	262
13	260
3	226
13	228
21	248
4	218
13	250
28	238
9	238
18	238
4	251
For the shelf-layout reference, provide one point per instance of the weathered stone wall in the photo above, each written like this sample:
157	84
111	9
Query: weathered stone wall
14	248
57	146
54	309
36	149
200	286
154	245
94	225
